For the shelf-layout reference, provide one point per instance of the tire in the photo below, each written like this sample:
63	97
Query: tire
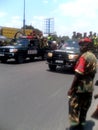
32	58
4	60
44	57
52	67
20	59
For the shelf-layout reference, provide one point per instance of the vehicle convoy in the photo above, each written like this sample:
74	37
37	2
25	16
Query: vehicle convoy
65	56
20	49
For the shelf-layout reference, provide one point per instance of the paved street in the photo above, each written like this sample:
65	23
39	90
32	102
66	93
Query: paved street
33	98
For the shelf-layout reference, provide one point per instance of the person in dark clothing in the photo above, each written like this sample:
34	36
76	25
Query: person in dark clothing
81	90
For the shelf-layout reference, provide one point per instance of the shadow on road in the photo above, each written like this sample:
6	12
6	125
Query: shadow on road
88	126
13	62
62	71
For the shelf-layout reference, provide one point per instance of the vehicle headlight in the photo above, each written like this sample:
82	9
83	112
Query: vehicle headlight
13	50
50	54
72	57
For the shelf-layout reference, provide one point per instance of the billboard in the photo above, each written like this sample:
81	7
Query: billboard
49	26
10	32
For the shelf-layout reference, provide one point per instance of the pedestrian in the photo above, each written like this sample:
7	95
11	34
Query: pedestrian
81	89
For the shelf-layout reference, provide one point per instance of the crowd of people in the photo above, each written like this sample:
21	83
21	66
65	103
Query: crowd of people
91	35
49	42
45	42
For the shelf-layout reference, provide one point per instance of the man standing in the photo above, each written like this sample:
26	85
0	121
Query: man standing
81	90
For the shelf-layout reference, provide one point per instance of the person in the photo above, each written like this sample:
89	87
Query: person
90	35
61	43
74	36
84	35
81	90
54	45
95	42
43	43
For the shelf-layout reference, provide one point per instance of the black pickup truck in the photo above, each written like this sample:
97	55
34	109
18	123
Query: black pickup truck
21	48
65	56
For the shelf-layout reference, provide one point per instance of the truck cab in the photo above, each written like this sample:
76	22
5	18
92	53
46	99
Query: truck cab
21	48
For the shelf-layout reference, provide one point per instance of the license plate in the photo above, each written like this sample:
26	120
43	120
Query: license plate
1	54
59	61
32	51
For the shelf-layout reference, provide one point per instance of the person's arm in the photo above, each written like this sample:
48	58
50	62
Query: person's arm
74	84
95	96
79	70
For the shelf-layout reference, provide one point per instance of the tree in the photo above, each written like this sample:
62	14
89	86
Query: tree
31	27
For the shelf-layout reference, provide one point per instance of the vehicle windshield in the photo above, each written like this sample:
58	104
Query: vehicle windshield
69	45
20	41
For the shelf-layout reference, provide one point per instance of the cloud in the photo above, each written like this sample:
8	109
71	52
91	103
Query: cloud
17	21
2	14
79	8
37	22
69	16
77	15
14	21
38	17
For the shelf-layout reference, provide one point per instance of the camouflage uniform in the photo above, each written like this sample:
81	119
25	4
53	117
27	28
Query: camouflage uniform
80	101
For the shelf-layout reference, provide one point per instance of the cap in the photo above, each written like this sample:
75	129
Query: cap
85	40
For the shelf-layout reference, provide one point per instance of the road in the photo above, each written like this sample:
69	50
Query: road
33	98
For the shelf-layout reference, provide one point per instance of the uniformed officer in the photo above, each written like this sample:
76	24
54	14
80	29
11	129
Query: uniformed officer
81	89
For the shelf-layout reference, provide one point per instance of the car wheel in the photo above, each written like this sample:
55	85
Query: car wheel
20	59
4	60
44	57
32	58
52	67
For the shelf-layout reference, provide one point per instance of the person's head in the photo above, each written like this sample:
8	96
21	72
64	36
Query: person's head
54	45
85	44
94	34
62	40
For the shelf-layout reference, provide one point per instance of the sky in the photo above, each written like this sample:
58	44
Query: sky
68	15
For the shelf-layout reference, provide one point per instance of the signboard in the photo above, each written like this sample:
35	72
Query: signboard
10	32
28	31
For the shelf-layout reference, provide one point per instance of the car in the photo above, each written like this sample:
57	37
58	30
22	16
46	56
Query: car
20	49
65	56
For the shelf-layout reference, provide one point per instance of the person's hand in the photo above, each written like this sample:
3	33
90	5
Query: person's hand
70	92
96	96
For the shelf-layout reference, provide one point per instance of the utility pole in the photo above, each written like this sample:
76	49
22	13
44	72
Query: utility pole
24	19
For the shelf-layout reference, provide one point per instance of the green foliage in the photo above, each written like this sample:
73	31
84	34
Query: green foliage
31	27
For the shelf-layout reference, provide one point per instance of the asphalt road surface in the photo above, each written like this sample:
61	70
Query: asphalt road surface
33	98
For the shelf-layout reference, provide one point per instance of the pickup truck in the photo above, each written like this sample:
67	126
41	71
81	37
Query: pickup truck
65	56
21	48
